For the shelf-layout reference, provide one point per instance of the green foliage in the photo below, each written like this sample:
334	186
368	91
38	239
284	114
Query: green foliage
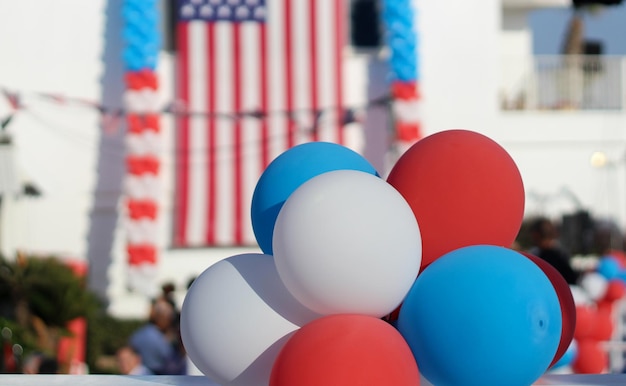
48	287
105	335
45	291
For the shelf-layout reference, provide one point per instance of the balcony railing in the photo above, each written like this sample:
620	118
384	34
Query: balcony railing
564	83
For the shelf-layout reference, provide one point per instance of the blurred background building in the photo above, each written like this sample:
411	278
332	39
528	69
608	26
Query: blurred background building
63	151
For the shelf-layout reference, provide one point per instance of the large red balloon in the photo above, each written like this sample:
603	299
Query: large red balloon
464	189
568	307
345	350
590	358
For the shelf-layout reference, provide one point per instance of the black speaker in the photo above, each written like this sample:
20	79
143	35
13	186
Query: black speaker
582	3
365	29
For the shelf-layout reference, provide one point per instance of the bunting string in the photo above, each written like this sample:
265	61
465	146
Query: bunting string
112	118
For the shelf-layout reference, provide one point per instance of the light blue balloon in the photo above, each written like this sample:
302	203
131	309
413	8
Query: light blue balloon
482	316
567	358
622	276
608	267
290	170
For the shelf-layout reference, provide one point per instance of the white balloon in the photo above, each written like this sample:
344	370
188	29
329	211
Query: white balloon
594	284
142	231
145	186
143	279
150	99
147	142
347	242
134	102
152	142
136	145
236	317
581	298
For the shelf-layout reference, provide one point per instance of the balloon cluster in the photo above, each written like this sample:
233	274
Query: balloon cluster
398	17
595	297
344	248
141	34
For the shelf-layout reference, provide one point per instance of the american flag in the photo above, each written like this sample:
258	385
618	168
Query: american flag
255	77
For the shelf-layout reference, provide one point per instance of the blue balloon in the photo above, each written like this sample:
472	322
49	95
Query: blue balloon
621	275
482	315
608	267
290	170
567	358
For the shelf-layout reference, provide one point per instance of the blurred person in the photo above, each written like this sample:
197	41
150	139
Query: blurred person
39	363
130	363
544	236
158	341
167	293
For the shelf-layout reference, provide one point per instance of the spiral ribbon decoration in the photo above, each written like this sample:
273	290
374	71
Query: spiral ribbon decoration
402	39
141	188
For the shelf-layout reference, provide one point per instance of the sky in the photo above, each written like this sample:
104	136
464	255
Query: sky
608	26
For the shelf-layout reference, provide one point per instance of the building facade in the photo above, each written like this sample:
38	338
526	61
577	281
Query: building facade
63	62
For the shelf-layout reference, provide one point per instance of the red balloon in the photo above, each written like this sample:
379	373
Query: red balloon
568	307
464	189
345	350
603	325
614	291
585	320
590	358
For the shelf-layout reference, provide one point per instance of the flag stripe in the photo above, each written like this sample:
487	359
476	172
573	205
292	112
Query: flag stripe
225	139
252	147
339	43
196	224
263	76
289	81
278	78
313	67
327	128
211	140
237	87
301	70
182	151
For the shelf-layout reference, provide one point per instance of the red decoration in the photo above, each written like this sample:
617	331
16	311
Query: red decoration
566	300
137	80
616	290
138	165
405	90
141	254
138	123
590	358
408	131
152	122
603	325
135	123
345	350
139	209
463	188
585	319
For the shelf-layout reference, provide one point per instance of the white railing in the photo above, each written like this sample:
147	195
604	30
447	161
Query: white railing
564	83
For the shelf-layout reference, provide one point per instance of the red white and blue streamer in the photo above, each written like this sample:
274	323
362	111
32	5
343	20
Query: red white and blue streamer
402	40
143	142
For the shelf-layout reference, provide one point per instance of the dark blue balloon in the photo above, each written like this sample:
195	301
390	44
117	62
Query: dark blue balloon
480	316
290	170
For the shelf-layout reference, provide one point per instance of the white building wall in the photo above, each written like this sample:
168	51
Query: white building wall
459	57
62	47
